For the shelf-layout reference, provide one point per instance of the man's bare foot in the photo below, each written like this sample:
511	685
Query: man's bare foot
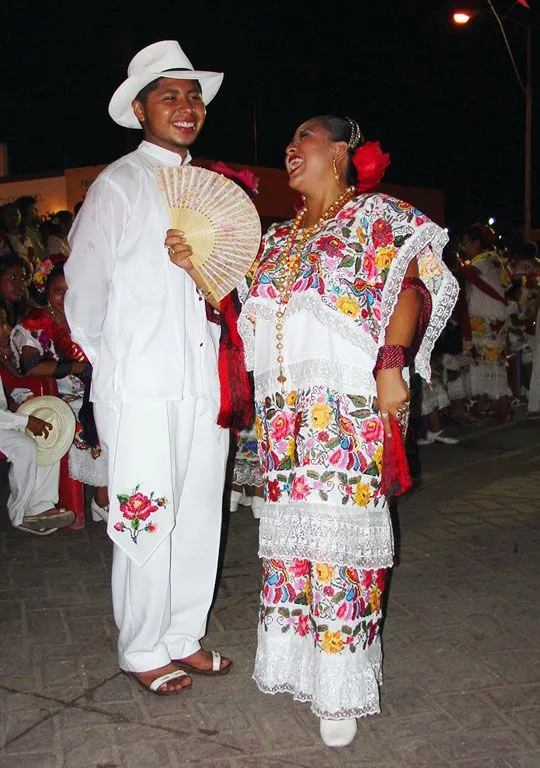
203	661
172	686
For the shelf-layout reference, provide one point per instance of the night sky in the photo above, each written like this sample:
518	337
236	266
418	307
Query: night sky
443	101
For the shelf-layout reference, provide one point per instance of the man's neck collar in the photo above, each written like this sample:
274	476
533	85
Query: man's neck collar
160	153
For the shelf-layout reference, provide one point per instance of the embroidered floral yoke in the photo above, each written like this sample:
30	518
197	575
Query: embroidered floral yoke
320	442
320	438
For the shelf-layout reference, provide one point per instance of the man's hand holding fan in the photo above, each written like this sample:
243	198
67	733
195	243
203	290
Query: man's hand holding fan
216	232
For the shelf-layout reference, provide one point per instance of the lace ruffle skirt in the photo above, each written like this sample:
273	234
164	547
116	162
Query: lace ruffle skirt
319	636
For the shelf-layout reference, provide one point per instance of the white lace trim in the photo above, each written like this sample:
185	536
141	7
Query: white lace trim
305	301
247	473
432	236
83	467
338	685
488	379
327	533
332	373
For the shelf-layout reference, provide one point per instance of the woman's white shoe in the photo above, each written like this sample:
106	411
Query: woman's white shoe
239	498
99	513
257	504
338	733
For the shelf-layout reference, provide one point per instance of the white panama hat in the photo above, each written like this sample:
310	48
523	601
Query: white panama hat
58	413
152	62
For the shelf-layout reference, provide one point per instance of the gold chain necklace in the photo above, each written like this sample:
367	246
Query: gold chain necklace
291	258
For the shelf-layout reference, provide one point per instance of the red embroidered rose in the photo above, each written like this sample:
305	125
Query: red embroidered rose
302	628
137	505
118	526
382	233
274	491
371	164
331	245
151	527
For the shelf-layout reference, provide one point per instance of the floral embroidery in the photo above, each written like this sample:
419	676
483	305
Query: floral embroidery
136	509
339	607
348	262
319	445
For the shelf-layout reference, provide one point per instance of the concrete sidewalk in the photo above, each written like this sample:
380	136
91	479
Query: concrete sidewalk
462	641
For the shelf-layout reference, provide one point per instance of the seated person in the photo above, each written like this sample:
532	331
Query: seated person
33	489
43	347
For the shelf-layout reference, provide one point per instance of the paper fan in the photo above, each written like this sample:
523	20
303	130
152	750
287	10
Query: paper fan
219	220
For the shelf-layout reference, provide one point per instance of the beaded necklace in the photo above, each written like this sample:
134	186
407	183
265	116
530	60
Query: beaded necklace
291	259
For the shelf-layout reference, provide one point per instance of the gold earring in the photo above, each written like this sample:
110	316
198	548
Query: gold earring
335	170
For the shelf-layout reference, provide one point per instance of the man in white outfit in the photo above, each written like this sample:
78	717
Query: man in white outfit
142	322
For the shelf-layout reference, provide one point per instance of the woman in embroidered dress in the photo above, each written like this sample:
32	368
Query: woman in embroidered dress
325	305
43	347
487	347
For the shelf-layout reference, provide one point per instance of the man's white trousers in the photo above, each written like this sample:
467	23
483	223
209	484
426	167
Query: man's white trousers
33	488
161	607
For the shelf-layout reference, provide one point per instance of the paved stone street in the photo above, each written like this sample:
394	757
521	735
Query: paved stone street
462	640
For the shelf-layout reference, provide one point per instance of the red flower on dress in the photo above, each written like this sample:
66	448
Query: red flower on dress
274	491
382	233
302	628
333	246
371	164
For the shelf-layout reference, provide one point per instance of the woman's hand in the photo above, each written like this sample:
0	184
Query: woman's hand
393	397
179	251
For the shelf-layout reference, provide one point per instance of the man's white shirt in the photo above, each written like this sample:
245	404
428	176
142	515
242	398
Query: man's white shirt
136	315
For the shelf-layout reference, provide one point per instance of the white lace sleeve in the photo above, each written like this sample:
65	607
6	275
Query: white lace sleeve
21	337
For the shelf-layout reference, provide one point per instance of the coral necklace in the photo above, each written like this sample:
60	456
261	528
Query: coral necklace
291	259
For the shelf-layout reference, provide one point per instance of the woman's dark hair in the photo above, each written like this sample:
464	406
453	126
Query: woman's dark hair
482	233
3	209
17	311
56	271
341	129
25	202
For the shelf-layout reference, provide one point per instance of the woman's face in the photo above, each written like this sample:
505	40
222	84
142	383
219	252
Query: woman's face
56	293
309	157
13	284
11	218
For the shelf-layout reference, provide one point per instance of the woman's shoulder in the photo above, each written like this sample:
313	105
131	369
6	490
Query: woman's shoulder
374	204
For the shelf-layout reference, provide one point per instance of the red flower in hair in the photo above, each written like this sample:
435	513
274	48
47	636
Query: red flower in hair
371	164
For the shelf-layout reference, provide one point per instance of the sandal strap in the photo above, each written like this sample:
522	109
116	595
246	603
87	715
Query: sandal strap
156	684
216	661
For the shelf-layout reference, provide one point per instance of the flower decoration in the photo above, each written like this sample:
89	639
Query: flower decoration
41	273
371	164
245	178
136	508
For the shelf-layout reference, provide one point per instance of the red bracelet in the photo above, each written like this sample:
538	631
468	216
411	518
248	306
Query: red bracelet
391	356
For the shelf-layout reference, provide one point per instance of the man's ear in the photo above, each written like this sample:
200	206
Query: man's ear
139	110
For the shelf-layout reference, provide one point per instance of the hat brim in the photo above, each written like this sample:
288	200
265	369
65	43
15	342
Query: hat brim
58	413
120	108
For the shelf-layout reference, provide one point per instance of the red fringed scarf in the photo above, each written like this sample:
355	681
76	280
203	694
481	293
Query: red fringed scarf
395	475
236	393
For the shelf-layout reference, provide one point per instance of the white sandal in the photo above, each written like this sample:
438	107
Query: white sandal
156	684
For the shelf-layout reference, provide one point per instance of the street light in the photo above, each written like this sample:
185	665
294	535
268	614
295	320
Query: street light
463	17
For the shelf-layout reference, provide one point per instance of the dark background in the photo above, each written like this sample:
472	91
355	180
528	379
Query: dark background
443	100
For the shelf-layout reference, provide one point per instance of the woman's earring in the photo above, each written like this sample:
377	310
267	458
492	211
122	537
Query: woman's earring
335	170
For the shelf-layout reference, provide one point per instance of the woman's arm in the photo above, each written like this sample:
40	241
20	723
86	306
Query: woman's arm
392	391
47	367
